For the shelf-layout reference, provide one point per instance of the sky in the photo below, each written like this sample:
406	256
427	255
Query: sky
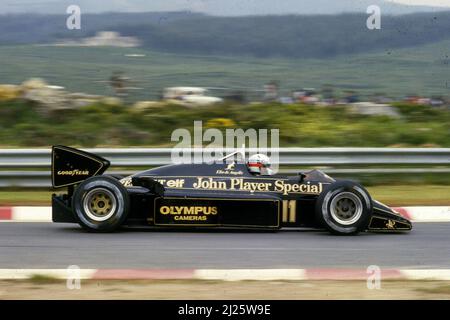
222	7
440	3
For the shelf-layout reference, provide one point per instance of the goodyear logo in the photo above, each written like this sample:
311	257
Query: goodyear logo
189	213
73	173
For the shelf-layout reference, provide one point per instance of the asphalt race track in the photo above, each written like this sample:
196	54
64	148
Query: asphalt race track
46	245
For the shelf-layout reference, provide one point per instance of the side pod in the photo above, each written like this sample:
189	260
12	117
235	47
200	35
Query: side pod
71	166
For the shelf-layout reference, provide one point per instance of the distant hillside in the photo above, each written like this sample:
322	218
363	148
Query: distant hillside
41	28
292	36
318	36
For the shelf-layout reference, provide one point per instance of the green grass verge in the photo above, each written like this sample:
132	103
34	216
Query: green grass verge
400	195
25	198
40	279
412	195
299	125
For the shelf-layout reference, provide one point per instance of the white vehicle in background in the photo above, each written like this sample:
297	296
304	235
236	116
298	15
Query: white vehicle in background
189	96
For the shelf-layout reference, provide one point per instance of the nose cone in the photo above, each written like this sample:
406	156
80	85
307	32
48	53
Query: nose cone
384	219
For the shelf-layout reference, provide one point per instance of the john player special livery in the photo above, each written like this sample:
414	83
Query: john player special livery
228	194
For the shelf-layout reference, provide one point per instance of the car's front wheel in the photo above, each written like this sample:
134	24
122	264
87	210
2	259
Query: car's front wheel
100	204
344	208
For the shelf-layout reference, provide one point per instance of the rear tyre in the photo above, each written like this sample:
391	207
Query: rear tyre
344	208
100	204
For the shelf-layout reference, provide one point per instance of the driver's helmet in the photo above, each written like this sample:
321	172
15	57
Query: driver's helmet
259	164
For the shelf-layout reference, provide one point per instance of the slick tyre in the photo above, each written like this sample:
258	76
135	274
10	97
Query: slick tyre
100	204
344	208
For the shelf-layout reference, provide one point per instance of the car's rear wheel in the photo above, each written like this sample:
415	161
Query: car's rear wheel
100	204
344	208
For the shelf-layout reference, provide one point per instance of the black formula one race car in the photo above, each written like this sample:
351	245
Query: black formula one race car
220	195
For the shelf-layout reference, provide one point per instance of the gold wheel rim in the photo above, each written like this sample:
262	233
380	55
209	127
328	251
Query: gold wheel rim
99	204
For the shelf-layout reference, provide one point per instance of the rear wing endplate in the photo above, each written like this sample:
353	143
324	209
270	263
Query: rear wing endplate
71	166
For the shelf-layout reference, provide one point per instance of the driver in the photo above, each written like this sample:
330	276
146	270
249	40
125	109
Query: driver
259	164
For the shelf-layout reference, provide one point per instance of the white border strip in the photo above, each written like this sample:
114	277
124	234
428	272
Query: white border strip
442	275
223	275
250	274
429	214
32	214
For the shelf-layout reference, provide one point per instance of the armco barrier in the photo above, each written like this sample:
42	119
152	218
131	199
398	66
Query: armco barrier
31	167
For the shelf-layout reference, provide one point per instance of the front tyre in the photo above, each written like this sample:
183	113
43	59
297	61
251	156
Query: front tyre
100	204
344	208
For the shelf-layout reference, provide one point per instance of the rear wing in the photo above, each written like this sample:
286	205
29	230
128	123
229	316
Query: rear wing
71	166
